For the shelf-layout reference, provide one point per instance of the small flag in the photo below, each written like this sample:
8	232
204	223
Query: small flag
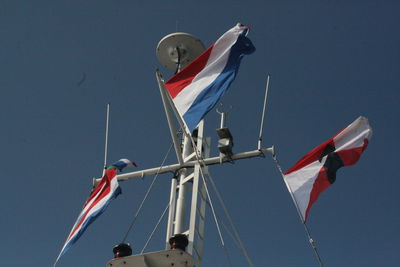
197	88
105	191
316	171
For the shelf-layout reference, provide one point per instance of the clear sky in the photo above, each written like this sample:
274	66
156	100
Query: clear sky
330	61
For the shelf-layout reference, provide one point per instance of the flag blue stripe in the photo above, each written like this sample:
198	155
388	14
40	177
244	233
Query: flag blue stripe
210	96
89	220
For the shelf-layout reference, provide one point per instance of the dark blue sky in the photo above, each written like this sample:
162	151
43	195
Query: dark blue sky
330	62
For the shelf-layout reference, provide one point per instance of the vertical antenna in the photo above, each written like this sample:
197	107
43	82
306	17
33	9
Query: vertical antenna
263	114
106	139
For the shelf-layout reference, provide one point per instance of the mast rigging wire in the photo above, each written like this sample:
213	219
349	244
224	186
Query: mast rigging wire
226	229
238	239
155	228
146	195
214	213
201	162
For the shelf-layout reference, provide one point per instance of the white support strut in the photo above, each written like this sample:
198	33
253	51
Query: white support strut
180	202
191	164
168	114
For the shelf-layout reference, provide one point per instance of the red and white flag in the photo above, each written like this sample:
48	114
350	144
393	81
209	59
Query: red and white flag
105	191
316	171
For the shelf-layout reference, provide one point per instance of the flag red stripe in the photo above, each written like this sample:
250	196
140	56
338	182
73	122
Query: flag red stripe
319	186
110	173
183	78
310	157
351	156
344	149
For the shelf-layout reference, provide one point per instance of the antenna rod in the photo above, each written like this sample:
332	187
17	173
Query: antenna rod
106	141
263	114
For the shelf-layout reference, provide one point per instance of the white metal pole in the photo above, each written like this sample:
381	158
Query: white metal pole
171	212
223	117
171	125
177	115
197	215
180	204
191	164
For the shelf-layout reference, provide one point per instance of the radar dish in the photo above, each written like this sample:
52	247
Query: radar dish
177	50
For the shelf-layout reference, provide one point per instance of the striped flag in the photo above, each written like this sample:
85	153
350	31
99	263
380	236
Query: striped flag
105	191
316	171
197	88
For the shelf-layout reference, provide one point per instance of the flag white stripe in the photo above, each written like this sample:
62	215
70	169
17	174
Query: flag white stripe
215	65
301	183
353	136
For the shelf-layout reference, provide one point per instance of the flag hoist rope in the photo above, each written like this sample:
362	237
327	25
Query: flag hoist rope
310	239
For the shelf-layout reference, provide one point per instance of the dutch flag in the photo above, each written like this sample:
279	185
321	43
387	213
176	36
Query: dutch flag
197	88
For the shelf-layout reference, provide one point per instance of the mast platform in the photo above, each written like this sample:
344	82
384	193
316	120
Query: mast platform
165	258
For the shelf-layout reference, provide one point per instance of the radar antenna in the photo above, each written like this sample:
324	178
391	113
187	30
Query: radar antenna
176	50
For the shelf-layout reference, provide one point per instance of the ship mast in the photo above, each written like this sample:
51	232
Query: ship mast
188	196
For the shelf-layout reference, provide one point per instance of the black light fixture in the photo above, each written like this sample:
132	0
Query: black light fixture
179	241
122	250
225	142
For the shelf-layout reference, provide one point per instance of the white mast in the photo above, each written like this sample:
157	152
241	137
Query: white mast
175	51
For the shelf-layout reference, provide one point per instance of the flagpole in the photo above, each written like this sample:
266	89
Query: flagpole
171	125
303	222
177	115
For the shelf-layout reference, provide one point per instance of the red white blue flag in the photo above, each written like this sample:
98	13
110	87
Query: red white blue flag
105	191
316	171
197	88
